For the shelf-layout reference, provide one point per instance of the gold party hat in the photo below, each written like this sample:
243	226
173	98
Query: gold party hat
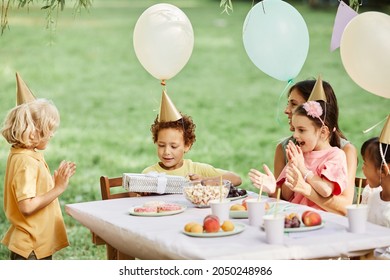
317	92
385	134
168	111
23	93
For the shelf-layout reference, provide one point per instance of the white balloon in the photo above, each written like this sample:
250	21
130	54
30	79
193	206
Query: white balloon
163	40
365	52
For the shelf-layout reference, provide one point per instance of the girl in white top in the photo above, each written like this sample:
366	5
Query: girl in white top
377	171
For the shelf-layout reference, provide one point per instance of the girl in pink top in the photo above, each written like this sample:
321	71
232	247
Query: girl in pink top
315	163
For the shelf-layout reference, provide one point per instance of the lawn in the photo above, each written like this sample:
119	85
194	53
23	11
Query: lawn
108	101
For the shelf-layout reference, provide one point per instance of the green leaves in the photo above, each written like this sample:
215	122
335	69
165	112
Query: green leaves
354	4
227	6
49	6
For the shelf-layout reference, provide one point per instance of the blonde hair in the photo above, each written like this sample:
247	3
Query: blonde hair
27	124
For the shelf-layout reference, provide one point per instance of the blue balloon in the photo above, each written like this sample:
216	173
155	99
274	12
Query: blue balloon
276	39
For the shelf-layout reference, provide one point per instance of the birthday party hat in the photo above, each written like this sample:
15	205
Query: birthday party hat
385	134
317	92
168	111
23	93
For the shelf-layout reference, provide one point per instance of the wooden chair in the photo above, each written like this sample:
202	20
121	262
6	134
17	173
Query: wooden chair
109	190
108	185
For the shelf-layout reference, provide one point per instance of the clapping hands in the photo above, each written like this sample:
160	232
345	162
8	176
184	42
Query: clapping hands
295	155
267	181
62	175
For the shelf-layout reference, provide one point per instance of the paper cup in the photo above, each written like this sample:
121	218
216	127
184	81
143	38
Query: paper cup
256	211
357	217
274	228
220	209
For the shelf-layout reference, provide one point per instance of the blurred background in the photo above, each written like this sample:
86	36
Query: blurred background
84	60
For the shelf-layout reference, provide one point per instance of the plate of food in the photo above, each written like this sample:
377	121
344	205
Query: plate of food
238	227
303	228
238	211
308	220
236	193
157	208
238	214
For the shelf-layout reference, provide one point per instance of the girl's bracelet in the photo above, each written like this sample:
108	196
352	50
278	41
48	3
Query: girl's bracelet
309	172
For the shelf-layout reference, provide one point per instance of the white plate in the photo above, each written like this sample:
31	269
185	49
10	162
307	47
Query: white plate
304	228
238	214
156	214
238	227
237	197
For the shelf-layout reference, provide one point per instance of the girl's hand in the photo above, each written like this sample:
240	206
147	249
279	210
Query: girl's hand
62	175
267	181
295	156
295	182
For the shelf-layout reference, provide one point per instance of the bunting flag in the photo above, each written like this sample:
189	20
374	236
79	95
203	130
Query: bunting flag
343	16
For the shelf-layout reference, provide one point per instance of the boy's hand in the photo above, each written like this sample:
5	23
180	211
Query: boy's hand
62	175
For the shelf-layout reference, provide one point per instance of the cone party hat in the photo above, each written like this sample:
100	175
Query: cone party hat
168	111
385	134
23	93
318	92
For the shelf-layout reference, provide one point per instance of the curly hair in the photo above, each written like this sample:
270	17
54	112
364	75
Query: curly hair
184	124
27	124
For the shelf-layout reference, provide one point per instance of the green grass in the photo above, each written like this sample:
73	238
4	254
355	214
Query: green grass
108	101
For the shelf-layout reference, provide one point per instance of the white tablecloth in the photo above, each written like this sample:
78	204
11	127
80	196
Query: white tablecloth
162	237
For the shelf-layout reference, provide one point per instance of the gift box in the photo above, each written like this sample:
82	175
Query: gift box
153	183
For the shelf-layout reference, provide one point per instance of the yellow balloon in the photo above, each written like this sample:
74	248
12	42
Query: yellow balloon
365	52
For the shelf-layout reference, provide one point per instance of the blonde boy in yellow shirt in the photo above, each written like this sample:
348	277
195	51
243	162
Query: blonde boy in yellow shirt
31	205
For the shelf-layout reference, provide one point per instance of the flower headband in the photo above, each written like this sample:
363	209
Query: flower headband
314	109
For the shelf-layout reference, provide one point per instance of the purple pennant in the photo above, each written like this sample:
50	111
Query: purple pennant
344	15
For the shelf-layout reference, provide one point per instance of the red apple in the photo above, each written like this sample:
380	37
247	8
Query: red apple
311	218
211	223
244	202
305	213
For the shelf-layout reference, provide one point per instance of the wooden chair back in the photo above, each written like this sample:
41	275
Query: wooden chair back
111	188
108	185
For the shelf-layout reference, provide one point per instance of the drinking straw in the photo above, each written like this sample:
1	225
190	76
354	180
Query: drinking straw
359	191
261	190
277	202
220	189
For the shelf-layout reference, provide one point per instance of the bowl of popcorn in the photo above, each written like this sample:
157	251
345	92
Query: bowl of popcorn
199	193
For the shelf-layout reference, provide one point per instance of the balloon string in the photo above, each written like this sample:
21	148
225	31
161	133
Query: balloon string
163	84
280	99
249	16
375	125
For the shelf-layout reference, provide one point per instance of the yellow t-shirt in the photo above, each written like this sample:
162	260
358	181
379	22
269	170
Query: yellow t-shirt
189	167
27	175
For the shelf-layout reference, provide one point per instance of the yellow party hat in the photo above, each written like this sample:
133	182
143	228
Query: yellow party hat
318	92
168	111
23	93
385	134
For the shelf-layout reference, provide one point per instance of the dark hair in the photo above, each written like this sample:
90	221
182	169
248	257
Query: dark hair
328	118
370	149
184	124
306	86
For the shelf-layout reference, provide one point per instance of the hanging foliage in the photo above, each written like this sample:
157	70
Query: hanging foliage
227	6
51	6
